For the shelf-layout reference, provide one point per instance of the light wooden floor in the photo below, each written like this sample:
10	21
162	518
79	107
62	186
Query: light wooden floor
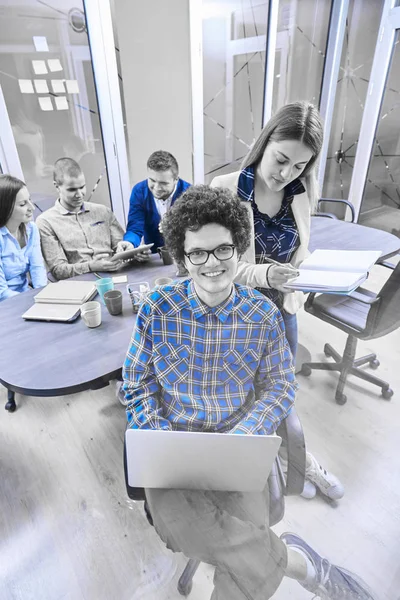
68	531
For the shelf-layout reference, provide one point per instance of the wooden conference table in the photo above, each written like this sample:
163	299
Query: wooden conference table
53	359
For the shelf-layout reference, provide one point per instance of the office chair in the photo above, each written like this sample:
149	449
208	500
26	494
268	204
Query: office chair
280	485
335	201
363	315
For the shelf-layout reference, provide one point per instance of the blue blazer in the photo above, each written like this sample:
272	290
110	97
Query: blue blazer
143	219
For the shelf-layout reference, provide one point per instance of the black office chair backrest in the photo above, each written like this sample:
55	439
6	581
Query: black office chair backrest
386	317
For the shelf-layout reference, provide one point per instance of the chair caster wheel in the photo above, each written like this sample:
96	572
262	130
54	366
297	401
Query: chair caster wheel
340	398
185	590
327	351
305	370
387	393
374	364
11	406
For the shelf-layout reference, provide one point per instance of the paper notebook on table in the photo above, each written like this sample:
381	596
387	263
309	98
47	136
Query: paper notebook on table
67	292
334	271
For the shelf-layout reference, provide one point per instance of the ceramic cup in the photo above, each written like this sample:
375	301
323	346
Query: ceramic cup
165	255
91	314
162	281
113	300
103	285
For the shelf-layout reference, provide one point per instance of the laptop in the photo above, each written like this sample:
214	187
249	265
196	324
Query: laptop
52	312
158	458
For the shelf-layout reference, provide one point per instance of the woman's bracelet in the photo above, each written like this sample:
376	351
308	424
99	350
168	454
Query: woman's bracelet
266	276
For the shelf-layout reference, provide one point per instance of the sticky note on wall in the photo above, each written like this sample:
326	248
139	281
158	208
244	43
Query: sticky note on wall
41	86
45	103
40	42
54	64
58	86
61	103
39	67
26	87
72	86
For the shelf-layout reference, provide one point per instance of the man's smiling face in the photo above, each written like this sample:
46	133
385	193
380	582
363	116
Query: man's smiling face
213	279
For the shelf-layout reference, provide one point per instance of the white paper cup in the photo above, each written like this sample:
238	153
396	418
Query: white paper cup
91	314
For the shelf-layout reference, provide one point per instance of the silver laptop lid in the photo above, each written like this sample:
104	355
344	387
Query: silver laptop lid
52	312
192	460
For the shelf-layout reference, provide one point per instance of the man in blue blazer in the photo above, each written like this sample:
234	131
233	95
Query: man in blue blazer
149	202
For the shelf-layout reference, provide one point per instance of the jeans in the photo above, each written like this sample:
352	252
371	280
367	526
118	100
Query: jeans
291	331
227	529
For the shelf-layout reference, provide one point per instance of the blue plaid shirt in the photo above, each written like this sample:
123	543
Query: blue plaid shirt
196	368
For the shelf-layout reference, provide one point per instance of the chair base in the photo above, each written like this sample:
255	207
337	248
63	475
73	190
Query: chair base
10	405
185	581
348	365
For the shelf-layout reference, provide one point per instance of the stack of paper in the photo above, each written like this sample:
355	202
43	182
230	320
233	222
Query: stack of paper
334	271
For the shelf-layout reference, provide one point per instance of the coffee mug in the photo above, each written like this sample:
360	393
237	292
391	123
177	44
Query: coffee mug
165	255
103	285
113	300
91	314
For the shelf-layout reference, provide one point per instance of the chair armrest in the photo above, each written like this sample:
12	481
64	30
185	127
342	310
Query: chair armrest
358	295
136	494
327	215
291	432
340	201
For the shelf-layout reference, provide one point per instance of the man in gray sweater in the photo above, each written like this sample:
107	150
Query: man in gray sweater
77	237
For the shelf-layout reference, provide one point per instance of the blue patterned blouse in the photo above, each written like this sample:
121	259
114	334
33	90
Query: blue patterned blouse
275	237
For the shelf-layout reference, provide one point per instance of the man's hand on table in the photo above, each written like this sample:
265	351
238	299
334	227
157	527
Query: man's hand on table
103	263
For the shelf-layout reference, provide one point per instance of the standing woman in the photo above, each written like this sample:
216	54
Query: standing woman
20	252
277	182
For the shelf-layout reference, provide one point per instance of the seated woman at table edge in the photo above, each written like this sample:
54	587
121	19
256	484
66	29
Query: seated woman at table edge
20	254
208	355
77	237
278	186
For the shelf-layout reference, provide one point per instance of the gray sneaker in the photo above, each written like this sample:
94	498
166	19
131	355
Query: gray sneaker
332	583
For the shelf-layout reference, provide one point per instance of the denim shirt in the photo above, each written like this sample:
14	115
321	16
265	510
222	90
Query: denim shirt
17	262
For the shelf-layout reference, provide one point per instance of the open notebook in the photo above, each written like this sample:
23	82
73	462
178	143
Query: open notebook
334	271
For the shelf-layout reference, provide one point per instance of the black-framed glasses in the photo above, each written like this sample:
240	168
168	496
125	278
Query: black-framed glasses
200	257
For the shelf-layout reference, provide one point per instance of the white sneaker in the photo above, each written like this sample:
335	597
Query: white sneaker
309	490
119	393
326	482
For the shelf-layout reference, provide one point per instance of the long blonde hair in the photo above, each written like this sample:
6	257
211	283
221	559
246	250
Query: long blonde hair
298	121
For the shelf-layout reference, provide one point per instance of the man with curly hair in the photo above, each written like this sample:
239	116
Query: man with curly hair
179	374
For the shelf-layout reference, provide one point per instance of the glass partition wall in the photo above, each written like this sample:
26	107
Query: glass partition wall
361	32
234	56
50	96
303	66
